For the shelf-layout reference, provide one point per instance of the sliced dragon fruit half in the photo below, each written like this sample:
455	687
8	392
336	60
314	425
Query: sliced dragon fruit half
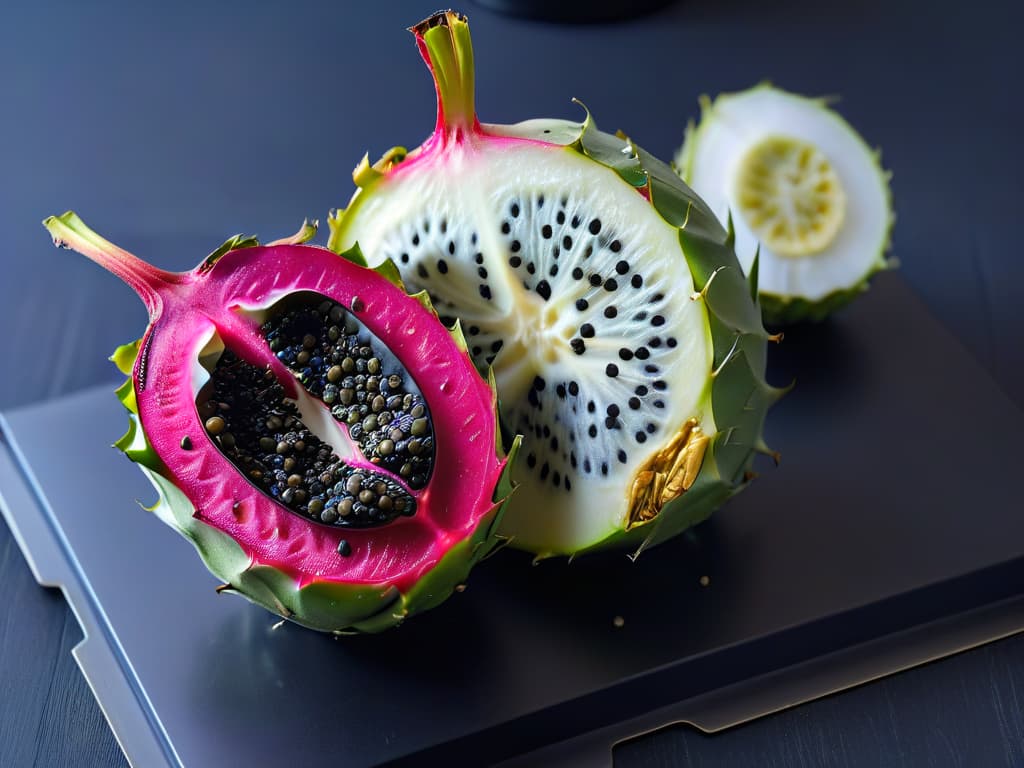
627	347
320	437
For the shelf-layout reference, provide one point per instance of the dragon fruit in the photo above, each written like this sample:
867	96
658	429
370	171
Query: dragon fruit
320	437
626	344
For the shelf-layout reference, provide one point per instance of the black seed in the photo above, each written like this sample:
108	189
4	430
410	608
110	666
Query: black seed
671	341
636	281
621	456
587	331
421	270
654	342
515	262
539	383
186	443
651	368
659	403
344	548
505	227
651	428
515	246
610	284
496	345
660	385
657	320
657	297
616	246
482	272
416	239
478	258
544	470
451	247
442	266
622	267
641	390
634	403
591	407
577	273
485	292
586	466
545	231
582	304
612	370
613	410
531	268
405	258
544	290
531	460
604	467
640	437
642	353
610	312
556	479
554	443
553	272
640	316
592	430
567	242
578	346
574	388
560	391
595	226
626	354
595	280
568	485
444	226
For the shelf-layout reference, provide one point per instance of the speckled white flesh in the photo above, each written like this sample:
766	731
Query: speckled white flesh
734	124
467	224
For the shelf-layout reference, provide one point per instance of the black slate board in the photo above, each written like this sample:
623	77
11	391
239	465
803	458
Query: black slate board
894	508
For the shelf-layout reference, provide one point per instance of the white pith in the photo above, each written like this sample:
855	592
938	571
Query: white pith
736	123
470	188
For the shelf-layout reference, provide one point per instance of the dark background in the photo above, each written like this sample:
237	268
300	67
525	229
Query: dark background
171	126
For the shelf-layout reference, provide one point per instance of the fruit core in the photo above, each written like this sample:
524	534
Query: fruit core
790	195
355	443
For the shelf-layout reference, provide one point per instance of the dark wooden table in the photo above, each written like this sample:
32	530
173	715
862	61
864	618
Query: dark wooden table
165	122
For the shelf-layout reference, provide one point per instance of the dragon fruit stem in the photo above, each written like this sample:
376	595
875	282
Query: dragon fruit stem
444	42
69	231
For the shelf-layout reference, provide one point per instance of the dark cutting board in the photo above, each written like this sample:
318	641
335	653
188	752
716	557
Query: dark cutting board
891	533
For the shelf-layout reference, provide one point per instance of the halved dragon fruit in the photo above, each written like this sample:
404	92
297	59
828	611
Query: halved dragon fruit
627	347
320	437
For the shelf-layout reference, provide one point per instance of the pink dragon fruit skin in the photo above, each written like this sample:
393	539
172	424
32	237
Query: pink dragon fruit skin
327	578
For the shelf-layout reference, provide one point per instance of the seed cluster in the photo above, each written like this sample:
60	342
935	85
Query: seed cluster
556	249
245	411
340	362
451	265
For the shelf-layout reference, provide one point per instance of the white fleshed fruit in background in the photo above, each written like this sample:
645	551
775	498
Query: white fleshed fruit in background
803	189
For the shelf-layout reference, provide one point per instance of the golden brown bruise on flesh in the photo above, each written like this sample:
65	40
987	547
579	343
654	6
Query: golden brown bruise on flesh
667	474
